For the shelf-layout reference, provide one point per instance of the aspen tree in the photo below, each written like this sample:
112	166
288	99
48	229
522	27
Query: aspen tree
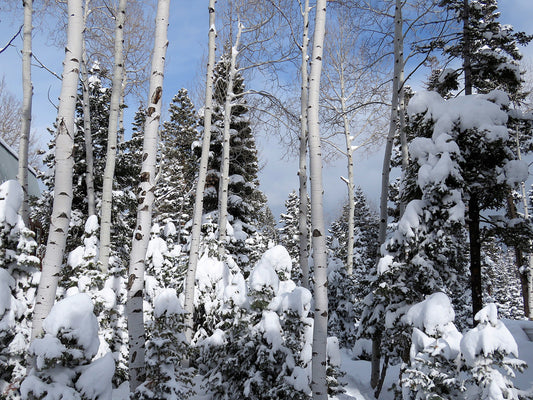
145	200
109	172
224	175
194	251
302	164
318	378
61	209
27	90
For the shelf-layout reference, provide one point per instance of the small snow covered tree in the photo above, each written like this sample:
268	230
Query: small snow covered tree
64	365
488	351
261	346
18	268
165	350
434	366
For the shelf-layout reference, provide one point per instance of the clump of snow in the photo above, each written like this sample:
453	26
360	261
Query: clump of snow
212	275
516	171
167	302
91	225
11	196
264	275
271	328
73	318
333	351
489	336
95	379
432	314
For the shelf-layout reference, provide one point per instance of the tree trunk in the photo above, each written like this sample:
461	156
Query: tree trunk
466	49
303	228
320	327
145	200
109	171
350	183
385	173
27	91
194	251
475	254
61	209
224	166
89	173
398	45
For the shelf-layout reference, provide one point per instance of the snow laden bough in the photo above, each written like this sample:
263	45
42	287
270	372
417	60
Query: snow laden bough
65	367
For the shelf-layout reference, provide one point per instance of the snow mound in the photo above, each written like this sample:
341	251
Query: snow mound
73	319
95	380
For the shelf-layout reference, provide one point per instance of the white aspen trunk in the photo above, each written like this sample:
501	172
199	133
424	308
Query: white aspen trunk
320	327
385	173
61	209
398	34
27	91
120	134
350	184
194	252
89	173
302	169
112	131
145	200
224	167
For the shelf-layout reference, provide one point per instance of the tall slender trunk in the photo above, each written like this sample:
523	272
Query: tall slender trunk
194	251
467	68
224	167
109	171
27	91
320	327
303	228
145	200
350	184
398	34
89	158
475	254
385	173
61	209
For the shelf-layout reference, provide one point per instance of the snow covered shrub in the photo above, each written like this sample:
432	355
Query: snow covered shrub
18	272
260	347
488	351
433	371
165	350
64	365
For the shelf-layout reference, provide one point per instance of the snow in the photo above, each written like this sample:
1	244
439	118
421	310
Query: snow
264	275
432	314
73	317
167	302
271	328
95	379
11	196
489	336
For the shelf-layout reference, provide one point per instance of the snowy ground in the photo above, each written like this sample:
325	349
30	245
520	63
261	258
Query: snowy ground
358	372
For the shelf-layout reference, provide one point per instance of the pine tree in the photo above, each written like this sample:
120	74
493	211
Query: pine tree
289	233
178	163
245	200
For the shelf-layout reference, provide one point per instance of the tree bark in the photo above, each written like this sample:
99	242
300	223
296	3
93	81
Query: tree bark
194	251
318	379
112	131
145	200
61	209
303	228
224	166
27	91
350	183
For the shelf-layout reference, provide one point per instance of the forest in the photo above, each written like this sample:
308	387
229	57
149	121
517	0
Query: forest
151	264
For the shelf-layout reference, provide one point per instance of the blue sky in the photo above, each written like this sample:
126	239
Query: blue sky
185	59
